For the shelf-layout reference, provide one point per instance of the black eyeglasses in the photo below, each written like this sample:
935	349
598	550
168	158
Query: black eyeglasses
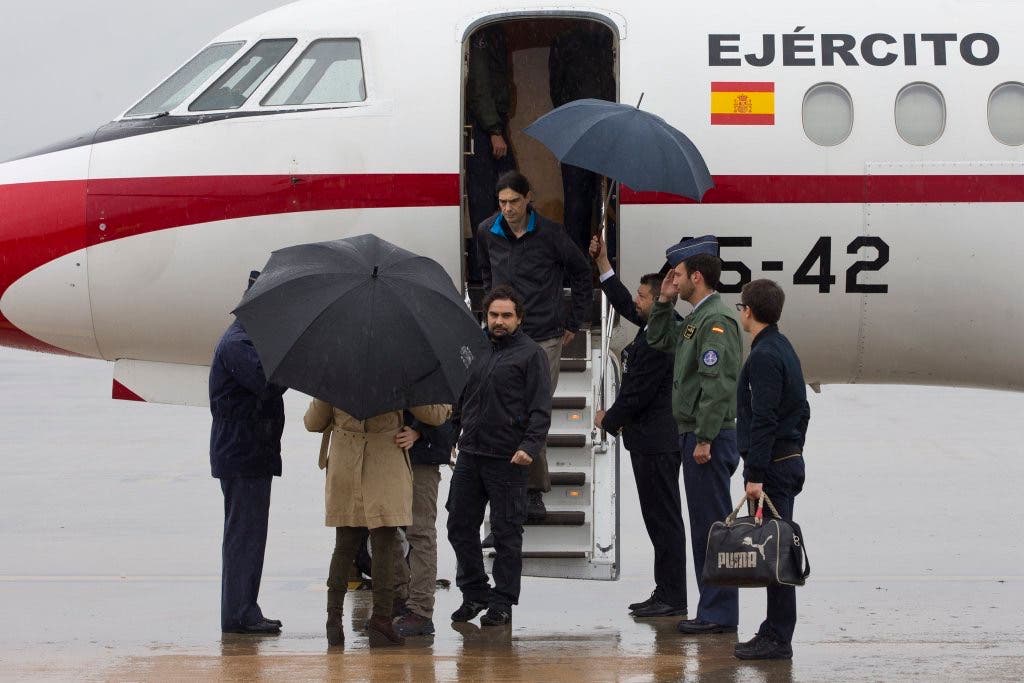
740	307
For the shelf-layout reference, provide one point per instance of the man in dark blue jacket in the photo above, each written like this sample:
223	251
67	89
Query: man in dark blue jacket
772	415
428	448
245	454
642	412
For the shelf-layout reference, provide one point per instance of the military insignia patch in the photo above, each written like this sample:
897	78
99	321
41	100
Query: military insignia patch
718	329
710	357
690	331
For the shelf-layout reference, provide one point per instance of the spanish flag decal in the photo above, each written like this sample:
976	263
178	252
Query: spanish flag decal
740	103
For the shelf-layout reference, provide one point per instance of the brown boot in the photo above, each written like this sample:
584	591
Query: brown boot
382	632
335	633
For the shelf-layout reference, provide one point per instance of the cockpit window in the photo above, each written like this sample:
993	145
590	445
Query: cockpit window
185	80
330	71
234	87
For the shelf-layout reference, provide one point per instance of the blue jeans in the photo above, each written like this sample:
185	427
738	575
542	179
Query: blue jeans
783	481
707	501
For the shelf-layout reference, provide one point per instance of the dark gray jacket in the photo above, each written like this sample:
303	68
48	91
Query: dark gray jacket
534	265
506	403
643	408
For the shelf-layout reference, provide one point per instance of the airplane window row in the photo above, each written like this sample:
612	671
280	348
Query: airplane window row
329	71
920	114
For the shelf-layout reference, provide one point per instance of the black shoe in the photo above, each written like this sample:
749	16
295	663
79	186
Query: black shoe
763	647
412	624
260	628
637	605
488	541
694	627
468	610
659	609
497	616
535	510
274	621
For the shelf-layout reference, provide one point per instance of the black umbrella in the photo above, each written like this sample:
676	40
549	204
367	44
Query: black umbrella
629	145
362	324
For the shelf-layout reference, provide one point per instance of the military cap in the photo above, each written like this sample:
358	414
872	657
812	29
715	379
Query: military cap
677	253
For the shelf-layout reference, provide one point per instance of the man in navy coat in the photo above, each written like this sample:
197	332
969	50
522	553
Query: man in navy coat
772	416
643	413
245	454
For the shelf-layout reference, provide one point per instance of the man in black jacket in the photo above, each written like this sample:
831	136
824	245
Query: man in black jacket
520	248
245	454
772	415
428	448
503	414
642	412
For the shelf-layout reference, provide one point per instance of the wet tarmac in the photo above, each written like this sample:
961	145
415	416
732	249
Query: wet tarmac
110	530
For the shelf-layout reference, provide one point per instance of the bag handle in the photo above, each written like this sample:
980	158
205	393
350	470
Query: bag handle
758	515
731	519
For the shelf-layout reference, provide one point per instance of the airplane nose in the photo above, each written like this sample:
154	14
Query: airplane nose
44	281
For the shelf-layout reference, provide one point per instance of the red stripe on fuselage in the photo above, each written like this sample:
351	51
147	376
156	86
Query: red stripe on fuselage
39	222
134	206
847	189
42	221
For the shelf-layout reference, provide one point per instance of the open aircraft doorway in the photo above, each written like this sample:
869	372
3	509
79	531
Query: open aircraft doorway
514	70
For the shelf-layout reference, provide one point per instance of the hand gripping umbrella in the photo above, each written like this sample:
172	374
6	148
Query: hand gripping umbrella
362	324
628	145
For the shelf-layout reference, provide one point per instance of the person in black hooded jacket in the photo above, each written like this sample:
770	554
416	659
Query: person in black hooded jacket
503	414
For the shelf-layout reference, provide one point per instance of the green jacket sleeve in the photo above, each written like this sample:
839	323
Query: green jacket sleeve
481	97
662	328
718	368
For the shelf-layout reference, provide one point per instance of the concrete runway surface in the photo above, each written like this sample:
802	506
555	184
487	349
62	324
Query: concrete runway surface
110	558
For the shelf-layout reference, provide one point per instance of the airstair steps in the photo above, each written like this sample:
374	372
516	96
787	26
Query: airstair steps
560	518
566	440
568	478
548	555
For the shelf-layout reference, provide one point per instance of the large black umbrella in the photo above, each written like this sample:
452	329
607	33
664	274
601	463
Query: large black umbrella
625	143
362	324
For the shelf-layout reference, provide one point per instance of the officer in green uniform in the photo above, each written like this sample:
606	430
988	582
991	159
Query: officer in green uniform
707	364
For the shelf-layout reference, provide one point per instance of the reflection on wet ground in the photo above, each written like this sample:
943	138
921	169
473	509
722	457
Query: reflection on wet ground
110	556
849	630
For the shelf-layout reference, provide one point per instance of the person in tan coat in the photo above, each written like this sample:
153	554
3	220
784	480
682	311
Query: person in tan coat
368	490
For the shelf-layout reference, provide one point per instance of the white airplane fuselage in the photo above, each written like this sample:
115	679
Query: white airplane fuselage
898	260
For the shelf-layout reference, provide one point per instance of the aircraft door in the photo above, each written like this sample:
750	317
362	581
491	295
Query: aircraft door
514	71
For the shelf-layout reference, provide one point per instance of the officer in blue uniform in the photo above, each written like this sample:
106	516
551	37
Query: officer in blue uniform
245	454
642	413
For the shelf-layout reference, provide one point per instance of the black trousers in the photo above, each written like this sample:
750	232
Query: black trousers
246	514
581	192
783	481
657	487
476	482
482	171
